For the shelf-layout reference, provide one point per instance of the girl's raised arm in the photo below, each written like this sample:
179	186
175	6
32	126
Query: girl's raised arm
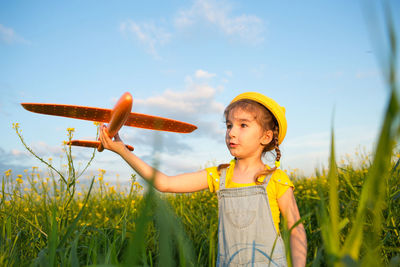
183	183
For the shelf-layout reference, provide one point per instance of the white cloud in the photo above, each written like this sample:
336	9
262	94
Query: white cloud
229	73
16	152
248	28
174	164
195	104
9	36
259	71
312	150
148	34
367	74
196	99
173	143
201	74
14	160
218	15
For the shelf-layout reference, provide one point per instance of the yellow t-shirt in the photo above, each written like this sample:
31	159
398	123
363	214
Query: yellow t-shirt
277	186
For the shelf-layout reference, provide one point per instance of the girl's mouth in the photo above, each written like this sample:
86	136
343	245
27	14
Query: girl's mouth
233	145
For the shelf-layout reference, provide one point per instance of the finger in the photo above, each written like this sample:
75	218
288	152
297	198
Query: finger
102	126
104	138
101	137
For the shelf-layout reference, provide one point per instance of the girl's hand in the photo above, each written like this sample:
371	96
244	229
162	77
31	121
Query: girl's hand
116	146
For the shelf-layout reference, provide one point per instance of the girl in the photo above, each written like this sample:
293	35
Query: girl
251	195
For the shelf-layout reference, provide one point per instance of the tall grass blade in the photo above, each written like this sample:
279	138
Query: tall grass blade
329	220
334	245
73	258
72	226
372	199
136	252
53	238
165	227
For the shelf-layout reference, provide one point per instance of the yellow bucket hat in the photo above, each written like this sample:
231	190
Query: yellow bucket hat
271	105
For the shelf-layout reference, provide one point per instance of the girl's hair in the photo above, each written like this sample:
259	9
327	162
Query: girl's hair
266	120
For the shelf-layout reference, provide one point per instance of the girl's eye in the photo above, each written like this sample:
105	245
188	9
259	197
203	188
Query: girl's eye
243	125
228	126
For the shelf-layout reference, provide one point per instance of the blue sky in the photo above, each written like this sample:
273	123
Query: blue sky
186	60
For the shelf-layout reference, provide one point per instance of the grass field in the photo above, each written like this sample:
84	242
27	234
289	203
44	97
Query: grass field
41	224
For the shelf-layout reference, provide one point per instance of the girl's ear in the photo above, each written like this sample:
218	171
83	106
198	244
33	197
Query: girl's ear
267	137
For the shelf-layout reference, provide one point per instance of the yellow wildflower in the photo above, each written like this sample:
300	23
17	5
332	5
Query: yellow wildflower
19	180
314	192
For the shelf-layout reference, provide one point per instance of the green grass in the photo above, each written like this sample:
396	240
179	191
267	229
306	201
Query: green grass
106	226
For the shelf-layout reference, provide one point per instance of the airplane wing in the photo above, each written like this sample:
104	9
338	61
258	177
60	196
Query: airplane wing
104	115
70	111
158	123
89	143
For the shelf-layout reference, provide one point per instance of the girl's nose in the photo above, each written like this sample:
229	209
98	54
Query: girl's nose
232	131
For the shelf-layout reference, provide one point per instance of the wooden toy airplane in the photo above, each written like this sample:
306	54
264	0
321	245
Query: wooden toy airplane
117	117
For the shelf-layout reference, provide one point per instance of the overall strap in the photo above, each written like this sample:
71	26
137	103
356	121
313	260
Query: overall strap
222	178
266	180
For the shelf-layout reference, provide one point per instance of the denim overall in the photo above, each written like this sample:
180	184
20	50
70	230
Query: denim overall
246	231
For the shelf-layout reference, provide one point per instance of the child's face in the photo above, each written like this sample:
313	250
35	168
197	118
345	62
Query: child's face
244	136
